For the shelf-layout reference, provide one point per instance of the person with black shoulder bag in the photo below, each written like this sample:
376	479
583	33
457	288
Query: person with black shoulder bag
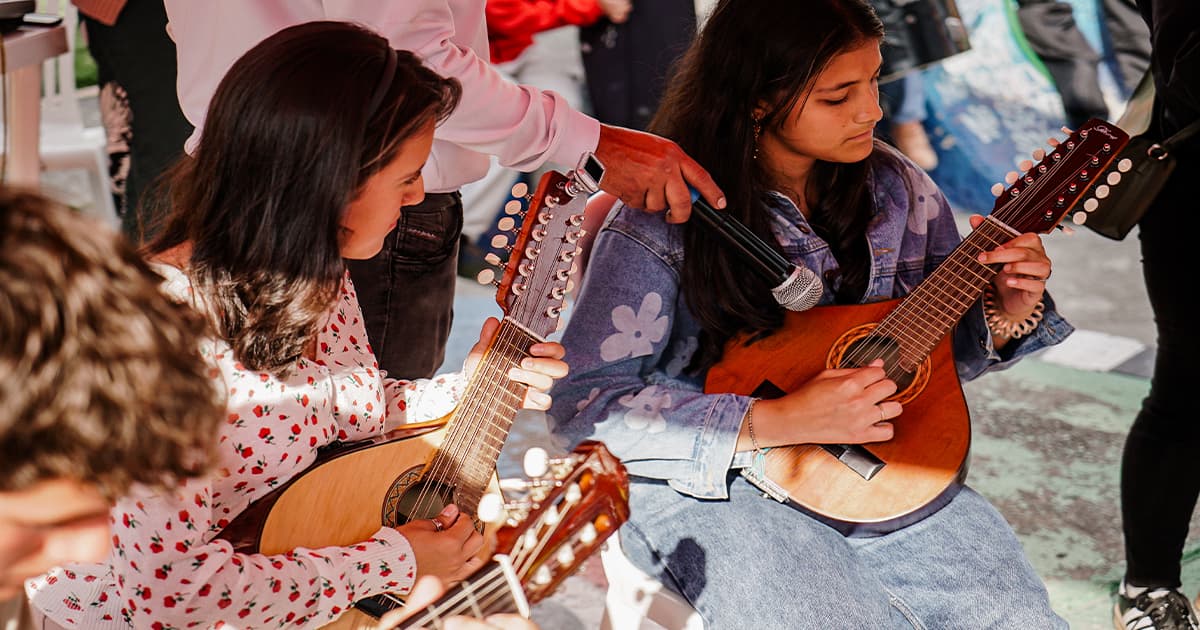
1160	475
1144	166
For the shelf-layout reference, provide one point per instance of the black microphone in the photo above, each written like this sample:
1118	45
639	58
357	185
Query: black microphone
796	287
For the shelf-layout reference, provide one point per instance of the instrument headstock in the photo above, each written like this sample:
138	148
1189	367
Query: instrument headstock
1041	196
537	276
562	516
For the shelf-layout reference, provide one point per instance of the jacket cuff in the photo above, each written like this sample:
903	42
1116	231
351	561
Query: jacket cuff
714	449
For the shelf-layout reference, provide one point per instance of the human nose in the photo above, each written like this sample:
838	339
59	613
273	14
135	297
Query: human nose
415	194
870	112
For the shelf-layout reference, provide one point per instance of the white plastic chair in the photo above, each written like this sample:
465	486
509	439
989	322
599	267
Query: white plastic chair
64	142
635	598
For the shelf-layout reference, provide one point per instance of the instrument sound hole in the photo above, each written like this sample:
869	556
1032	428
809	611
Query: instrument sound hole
412	498
864	350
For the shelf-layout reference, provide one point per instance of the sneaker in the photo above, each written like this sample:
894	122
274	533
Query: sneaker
1157	609
911	139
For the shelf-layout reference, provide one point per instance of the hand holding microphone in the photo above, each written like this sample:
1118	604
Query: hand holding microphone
796	287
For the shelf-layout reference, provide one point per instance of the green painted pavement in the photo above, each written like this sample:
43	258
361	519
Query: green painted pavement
1046	451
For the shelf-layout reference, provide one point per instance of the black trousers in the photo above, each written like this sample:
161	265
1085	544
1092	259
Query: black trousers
407	290
138	55
1160	470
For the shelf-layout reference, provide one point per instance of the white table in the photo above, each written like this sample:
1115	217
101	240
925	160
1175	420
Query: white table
25	49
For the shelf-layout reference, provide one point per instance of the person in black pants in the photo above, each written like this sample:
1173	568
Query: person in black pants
1159	477
136	53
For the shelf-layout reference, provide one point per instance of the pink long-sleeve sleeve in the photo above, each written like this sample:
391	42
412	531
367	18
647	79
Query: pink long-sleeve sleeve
523	126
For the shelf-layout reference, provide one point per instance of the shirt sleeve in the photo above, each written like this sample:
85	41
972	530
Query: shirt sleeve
627	342
522	17
171	571
421	400
522	126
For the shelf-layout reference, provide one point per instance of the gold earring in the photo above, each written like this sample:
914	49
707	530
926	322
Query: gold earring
757	132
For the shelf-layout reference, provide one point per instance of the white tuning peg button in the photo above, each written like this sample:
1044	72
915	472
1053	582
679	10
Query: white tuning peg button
1101	191
1025	165
491	508
565	555
997	189
536	462
587	535
506	224
520	189
1090	205
492	259
513	207
1124	165
1079	218
1113	178
487	276
499	241
1039	154
1011	177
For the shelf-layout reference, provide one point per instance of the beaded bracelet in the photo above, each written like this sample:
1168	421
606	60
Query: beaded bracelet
750	424
1002	326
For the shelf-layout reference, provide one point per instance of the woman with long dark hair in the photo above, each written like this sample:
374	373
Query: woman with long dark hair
314	143
779	99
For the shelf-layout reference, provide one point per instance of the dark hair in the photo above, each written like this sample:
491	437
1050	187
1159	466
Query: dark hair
290	139
101	378
751	52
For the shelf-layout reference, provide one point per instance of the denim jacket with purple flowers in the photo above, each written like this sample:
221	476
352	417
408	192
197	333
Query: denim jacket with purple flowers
631	335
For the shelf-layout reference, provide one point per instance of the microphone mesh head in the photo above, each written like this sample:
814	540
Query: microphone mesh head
801	291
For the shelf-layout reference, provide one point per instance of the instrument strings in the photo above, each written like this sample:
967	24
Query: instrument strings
994	232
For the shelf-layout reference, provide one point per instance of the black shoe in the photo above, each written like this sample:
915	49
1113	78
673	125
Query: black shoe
1155	609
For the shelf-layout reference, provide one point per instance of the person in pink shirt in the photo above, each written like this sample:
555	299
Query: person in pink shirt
522	126
287	182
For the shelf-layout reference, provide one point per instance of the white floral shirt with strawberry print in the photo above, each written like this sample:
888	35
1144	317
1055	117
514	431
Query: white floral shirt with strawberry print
167	570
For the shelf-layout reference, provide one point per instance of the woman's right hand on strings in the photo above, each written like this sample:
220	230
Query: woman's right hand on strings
838	406
445	546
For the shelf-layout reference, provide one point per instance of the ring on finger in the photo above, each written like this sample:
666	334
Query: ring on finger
882	414
437	525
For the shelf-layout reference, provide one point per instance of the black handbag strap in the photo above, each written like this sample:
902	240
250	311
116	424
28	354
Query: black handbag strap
1181	136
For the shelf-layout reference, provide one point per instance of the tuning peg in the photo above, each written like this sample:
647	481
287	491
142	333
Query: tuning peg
542	576
506	224
499	241
1011	177
1025	165
1039	154
513	207
520	189
491	508
487	276
1113	178
492	259
997	189
1102	191
565	555
536	462
1124	165
587	534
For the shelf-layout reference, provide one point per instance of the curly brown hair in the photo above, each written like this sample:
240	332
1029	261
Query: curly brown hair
101	377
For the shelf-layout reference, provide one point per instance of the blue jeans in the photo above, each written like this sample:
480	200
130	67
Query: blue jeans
751	562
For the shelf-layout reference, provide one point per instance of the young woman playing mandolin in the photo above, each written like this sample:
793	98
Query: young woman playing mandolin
315	140
778	99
